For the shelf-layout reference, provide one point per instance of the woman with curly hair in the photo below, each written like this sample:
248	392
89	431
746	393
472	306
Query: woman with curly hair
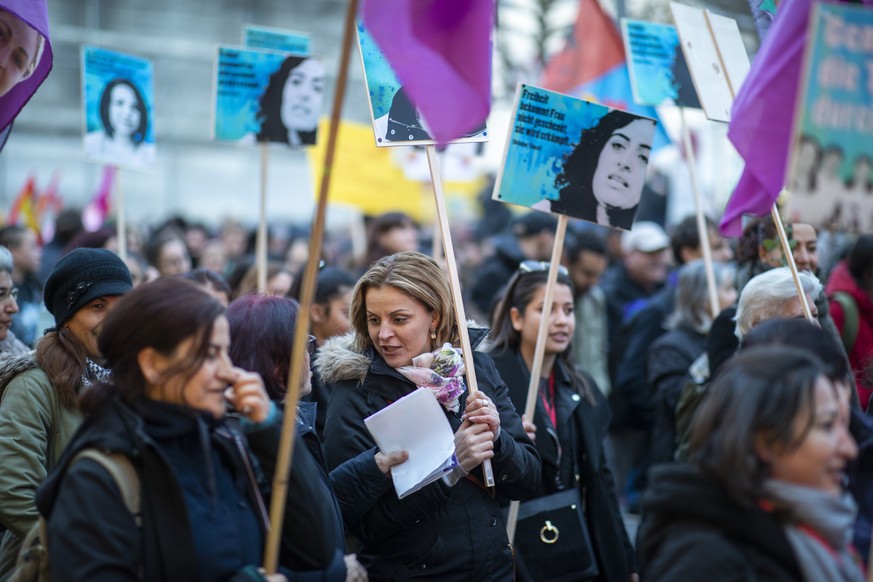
606	192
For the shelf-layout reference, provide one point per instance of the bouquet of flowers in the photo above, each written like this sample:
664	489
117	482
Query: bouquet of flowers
442	371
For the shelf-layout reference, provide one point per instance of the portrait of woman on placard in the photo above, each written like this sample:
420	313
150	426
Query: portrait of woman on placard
603	176
291	104
125	119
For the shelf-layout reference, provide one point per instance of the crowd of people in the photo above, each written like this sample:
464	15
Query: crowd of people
734	427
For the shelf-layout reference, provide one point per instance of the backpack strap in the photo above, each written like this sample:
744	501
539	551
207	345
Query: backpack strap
123	473
849	333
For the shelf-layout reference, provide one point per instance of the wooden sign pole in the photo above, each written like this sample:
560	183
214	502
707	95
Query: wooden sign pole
261	242
121	226
540	349
307	294
454	281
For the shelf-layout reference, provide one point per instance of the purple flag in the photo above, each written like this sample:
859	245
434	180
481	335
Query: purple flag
441	53
763	115
35	14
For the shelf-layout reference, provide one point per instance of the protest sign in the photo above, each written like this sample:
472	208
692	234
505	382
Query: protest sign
569	156
267	96
658	72
830	175
275	39
118	99
396	121
707	64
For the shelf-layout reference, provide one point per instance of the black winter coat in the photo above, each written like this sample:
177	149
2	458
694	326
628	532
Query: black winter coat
582	428
189	465
694	531
669	359
439	532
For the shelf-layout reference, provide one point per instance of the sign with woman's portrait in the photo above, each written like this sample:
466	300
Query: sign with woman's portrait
119	105
659	74
266	96
396	120
569	156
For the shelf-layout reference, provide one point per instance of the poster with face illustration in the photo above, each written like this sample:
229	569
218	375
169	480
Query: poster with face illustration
396	121
569	156
267	96
658	72
118	108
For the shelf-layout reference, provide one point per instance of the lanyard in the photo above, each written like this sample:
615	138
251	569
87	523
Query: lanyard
548	398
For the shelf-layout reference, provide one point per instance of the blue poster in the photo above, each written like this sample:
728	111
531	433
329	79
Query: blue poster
275	39
569	156
831	170
267	96
118	99
658	71
396	121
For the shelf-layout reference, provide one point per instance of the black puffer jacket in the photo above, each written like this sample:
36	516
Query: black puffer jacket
694	531
582	428
439	532
202	518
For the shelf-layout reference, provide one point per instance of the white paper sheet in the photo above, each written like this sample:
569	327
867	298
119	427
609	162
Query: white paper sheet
417	424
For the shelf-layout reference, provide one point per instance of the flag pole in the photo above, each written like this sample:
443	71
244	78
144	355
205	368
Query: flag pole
774	209
454	282
121	222
307	292
702	228
261	242
540	348
789	257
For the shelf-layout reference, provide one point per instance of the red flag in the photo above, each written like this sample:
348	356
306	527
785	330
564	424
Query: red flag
97	210
441	53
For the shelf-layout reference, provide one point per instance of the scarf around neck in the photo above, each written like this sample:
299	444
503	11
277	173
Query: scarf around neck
819	531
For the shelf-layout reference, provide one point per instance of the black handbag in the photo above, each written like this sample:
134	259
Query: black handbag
552	540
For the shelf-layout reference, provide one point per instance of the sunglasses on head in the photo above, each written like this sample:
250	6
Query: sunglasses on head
540	266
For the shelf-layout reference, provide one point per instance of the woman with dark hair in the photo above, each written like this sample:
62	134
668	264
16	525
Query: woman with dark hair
203	497
328	317
291	103
762	495
603	177
263	327
212	282
124	115
451	529
389	233
571	416
41	391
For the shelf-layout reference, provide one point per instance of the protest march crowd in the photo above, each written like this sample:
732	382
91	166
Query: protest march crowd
741	440
717	392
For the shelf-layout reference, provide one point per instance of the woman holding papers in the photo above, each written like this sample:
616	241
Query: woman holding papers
451	529
203	477
571	415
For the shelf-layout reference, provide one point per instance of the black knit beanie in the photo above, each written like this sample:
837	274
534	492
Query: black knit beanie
81	277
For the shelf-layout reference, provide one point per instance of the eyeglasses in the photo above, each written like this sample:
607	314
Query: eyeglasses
311	346
7	294
540	266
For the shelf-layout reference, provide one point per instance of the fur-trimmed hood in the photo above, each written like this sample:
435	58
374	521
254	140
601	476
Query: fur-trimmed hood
14	365
338	361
